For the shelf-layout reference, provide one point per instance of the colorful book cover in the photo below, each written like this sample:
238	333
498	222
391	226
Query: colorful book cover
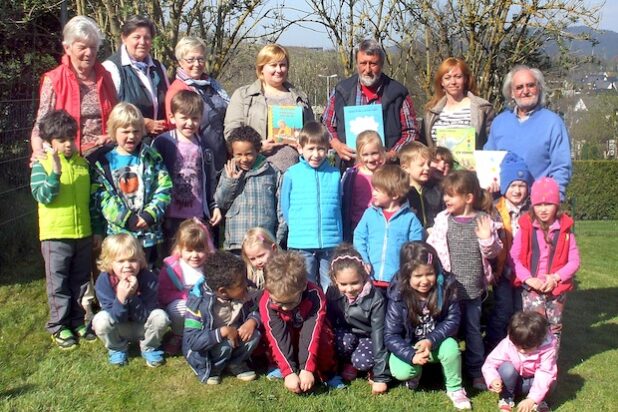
487	164
361	118
460	141
284	123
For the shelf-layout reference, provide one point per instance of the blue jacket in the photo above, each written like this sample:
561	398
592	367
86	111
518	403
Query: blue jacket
379	241
398	330
311	206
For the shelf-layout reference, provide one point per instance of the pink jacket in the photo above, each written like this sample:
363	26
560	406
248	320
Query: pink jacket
540	364
489	247
171	281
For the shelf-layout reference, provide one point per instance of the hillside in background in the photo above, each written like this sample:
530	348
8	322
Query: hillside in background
605	49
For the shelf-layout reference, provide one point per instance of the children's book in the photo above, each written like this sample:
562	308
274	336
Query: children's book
487	163
460	141
360	118
284	123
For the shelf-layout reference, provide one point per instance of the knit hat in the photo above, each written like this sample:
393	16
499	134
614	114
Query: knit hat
513	168
545	190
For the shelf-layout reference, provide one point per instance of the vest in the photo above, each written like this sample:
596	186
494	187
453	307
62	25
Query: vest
68	215
392	96
133	91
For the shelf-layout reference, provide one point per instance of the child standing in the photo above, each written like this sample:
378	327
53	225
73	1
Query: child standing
257	247
356	311
134	188
191	166
311	203
180	272
293	312
386	225
60	184
422	319
356	181
545	254
221	327
465	239
248	190
524	362
127	293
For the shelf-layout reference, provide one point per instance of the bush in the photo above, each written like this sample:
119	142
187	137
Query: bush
592	193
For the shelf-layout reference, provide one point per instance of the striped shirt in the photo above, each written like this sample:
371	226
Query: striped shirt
451	119
44	187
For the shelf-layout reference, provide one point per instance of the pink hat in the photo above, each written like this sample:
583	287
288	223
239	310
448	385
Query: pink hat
545	190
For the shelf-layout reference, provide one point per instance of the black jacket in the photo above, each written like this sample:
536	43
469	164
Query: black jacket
426	206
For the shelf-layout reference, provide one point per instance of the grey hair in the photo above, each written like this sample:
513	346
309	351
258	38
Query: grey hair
82	28
508	83
188	44
372	48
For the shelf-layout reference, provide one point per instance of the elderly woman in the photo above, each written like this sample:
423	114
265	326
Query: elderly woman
190	53
455	104
140	79
249	104
80	86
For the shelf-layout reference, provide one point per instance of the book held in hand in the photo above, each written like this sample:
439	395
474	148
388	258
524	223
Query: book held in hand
284	123
360	118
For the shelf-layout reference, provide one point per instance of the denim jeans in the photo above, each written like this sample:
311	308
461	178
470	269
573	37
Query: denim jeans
507	301
474	356
317	261
225	355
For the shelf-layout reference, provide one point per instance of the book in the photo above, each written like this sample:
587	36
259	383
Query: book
284	123
360	118
460	141
487	164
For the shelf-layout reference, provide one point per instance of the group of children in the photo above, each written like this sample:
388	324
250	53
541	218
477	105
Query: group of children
427	242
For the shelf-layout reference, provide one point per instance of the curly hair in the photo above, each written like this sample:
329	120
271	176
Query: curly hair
223	270
346	257
115	247
244	134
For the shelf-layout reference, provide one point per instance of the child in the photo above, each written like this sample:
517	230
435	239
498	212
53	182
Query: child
248	190
524	362
221	327
257	247
465	239
442	162
386	225
545	254
356	311
422	319
515	181
191	166
356	181
424	195
311	203
127	293
134	187
180	272
60	184
293	312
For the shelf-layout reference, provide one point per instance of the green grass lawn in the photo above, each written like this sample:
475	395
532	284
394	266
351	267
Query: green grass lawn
36	376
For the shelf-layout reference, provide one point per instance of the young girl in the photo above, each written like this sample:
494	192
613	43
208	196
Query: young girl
525	362
356	181
422	319
180	272
466	238
545	254
356	311
257	247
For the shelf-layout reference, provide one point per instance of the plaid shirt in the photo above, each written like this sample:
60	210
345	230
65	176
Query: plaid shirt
407	116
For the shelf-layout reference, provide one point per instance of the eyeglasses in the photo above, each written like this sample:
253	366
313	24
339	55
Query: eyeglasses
192	60
531	85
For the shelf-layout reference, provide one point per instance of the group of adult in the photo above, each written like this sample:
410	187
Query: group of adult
88	90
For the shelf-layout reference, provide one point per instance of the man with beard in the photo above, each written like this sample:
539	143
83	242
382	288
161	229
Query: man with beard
371	86
531	131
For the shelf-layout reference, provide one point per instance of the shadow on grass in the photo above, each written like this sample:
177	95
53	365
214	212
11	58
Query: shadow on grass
16	392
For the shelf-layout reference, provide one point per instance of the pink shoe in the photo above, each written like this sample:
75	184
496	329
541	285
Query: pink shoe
459	399
173	345
349	372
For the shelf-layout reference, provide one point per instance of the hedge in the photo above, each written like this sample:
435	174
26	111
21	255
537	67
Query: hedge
593	191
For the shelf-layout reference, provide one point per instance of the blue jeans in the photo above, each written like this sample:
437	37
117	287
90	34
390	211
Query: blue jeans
317	261
474	356
514	384
224	355
507	301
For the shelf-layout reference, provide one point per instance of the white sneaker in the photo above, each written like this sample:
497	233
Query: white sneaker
460	399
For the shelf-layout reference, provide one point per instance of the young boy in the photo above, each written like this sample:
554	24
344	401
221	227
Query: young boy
442	162
60	183
515	182
293	312
221	325
127	292
190	164
134	188
387	224
248	190
311	203
424	195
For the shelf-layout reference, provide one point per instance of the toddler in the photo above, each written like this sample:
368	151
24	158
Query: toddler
257	247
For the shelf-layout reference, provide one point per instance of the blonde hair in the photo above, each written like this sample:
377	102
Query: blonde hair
123	115
192	234
286	274
366	138
411	151
270	53
257	236
188	44
393	180
121	245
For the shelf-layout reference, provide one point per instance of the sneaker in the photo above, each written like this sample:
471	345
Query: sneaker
246	376
506	405
459	399
85	333
274	375
173	345
213	380
65	339
154	358
479	384
542	407
242	371
117	357
335	382
349	372
412	384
